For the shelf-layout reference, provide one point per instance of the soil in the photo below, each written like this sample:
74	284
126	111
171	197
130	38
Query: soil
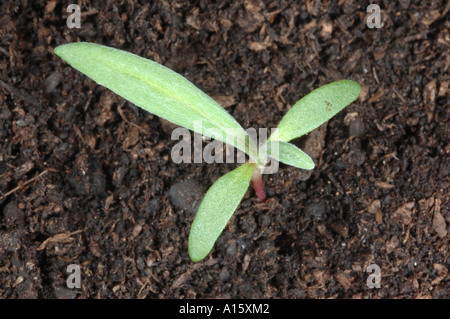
86	177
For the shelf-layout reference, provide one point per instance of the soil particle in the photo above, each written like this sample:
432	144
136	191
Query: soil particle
186	195
13	216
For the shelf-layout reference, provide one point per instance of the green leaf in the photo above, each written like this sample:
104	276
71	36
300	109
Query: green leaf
316	108
156	89
216	208
290	154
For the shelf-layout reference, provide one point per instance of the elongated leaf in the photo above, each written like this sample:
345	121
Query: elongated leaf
290	154
316	108
216	208
156	89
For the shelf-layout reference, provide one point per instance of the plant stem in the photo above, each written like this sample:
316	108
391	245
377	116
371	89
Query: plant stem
258	184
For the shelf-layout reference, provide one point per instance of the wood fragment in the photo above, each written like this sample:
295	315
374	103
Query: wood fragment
21	95
24	184
58	238
438	220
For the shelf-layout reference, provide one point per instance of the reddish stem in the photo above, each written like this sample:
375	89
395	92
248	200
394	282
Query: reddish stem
258	185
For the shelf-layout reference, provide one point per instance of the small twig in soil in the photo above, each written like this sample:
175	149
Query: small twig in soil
21	95
335	183
2	50
84	14
122	115
375	75
23	185
415	37
62	237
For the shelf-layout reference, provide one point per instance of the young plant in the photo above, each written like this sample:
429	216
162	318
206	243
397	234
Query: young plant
169	95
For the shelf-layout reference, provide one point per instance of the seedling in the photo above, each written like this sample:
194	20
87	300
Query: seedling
169	95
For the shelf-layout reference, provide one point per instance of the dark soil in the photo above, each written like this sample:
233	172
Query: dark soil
86	178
